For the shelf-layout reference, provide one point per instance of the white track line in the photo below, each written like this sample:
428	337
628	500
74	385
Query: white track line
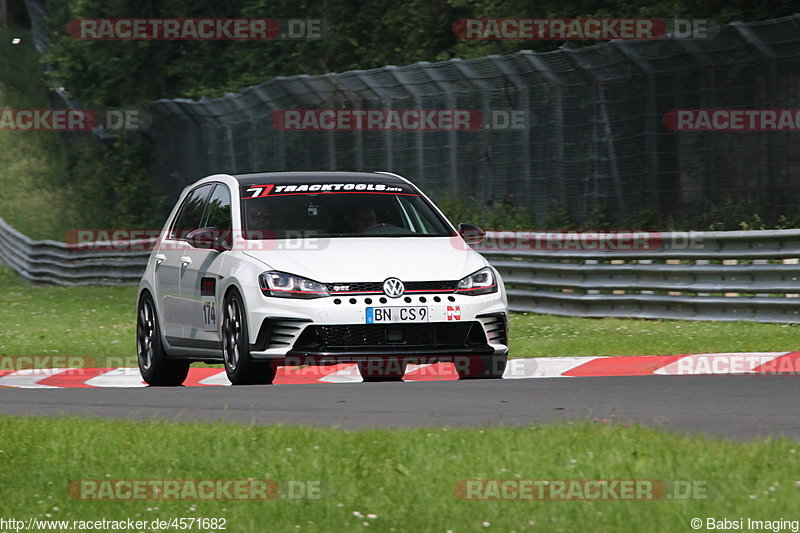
348	374
216	379
118	377
543	367
29	378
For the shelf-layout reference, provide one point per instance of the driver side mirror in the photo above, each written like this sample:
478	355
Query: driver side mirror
471	233
208	239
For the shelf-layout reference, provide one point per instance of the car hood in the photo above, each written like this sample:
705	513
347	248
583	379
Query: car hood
371	258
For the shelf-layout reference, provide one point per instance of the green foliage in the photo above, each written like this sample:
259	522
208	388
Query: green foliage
737	213
559	217
115	181
645	219
20	76
495	216
731	214
32	164
598	218
51	182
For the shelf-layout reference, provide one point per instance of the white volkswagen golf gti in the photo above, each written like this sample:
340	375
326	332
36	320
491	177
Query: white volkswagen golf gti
258	271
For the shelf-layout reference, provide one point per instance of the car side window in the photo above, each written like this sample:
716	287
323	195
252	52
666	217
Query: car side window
191	212
218	212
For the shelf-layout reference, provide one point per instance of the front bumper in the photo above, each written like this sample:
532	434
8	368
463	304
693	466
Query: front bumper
322	328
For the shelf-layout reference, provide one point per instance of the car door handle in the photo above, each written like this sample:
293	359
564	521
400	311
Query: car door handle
160	258
185	260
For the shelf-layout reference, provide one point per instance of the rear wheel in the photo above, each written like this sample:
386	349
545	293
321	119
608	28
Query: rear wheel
239	366
154	364
481	367
392	369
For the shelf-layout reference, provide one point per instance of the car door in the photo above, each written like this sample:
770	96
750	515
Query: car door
199	277
170	262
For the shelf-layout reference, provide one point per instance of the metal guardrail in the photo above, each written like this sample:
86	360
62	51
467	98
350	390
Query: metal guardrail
56	262
732	275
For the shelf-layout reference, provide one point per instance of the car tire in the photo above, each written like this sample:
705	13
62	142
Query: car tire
391	369
156	367
481	367
239	365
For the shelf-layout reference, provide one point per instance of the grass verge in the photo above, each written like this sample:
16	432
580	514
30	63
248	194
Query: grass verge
404	477
548	335
48	320
100	322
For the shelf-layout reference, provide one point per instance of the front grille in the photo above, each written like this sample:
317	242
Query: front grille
431	286
376	287
434	335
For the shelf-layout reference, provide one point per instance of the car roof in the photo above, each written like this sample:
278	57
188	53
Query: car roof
317	177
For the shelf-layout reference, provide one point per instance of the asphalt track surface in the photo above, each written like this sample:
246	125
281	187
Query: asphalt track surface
740	407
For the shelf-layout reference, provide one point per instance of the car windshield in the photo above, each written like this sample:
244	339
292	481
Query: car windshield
280	211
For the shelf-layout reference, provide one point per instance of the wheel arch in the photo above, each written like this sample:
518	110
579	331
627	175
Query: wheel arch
225	293
146	290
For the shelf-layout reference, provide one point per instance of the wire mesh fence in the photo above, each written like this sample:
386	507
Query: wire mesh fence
594	136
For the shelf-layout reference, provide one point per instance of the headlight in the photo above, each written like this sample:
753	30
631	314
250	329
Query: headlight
481	282
283	285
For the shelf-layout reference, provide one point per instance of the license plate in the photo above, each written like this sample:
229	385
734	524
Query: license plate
385	315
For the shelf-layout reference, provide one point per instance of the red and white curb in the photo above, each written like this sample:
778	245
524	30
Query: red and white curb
535	367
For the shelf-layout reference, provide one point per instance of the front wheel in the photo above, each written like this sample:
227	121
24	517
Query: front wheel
239	366
481	367
154	364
